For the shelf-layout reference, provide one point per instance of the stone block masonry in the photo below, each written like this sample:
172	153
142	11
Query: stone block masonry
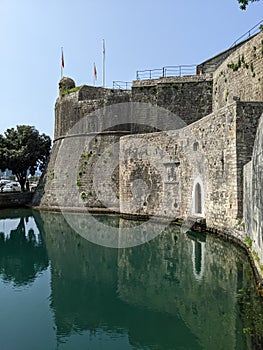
253	196
188	97
240	76
79	115
72	107
195	171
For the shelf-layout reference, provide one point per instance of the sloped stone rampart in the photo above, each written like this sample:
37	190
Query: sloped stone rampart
240	76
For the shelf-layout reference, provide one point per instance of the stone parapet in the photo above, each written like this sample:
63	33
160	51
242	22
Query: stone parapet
170	80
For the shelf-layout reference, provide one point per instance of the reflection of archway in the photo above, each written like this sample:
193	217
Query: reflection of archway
198	257
198	253
198	199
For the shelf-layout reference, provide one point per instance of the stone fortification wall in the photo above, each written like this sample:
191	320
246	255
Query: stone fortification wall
91	120
168	166
188	97
253	198
80	138
248	116
72	107
195	171
74	170
240	75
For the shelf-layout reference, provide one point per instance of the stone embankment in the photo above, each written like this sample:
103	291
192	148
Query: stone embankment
14	200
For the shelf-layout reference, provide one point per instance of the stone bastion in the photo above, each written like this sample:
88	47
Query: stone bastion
175	147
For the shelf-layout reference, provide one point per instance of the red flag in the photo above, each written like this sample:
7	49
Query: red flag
62	59
95	72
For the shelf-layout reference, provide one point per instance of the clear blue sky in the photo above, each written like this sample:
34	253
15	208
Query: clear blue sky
139	34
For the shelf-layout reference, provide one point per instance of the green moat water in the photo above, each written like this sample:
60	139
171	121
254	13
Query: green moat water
178	291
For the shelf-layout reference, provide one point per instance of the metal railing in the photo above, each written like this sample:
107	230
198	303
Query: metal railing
256	29
122	85
166	71
182	70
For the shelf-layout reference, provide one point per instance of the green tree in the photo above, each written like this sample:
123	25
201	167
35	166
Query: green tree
244	3
24	150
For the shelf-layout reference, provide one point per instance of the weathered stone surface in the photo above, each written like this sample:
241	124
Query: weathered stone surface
210	152
189	97
71	108
240	75
253	195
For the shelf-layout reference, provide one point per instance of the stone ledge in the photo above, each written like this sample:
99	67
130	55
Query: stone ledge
17	199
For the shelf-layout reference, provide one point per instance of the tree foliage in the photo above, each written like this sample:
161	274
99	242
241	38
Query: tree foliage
23	150
244	3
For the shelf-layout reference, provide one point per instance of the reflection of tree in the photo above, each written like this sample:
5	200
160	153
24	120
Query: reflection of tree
21	256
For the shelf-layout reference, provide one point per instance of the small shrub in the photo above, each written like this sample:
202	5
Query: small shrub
68	91
79	184
255	255
248	242
83	195
52	175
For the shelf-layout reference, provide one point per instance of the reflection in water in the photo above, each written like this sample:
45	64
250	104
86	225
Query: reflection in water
178	291
22	253
89	275
198	253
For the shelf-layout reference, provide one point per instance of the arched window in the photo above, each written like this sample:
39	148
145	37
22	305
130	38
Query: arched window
198	199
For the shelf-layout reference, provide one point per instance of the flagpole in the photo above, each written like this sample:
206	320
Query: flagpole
103	63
